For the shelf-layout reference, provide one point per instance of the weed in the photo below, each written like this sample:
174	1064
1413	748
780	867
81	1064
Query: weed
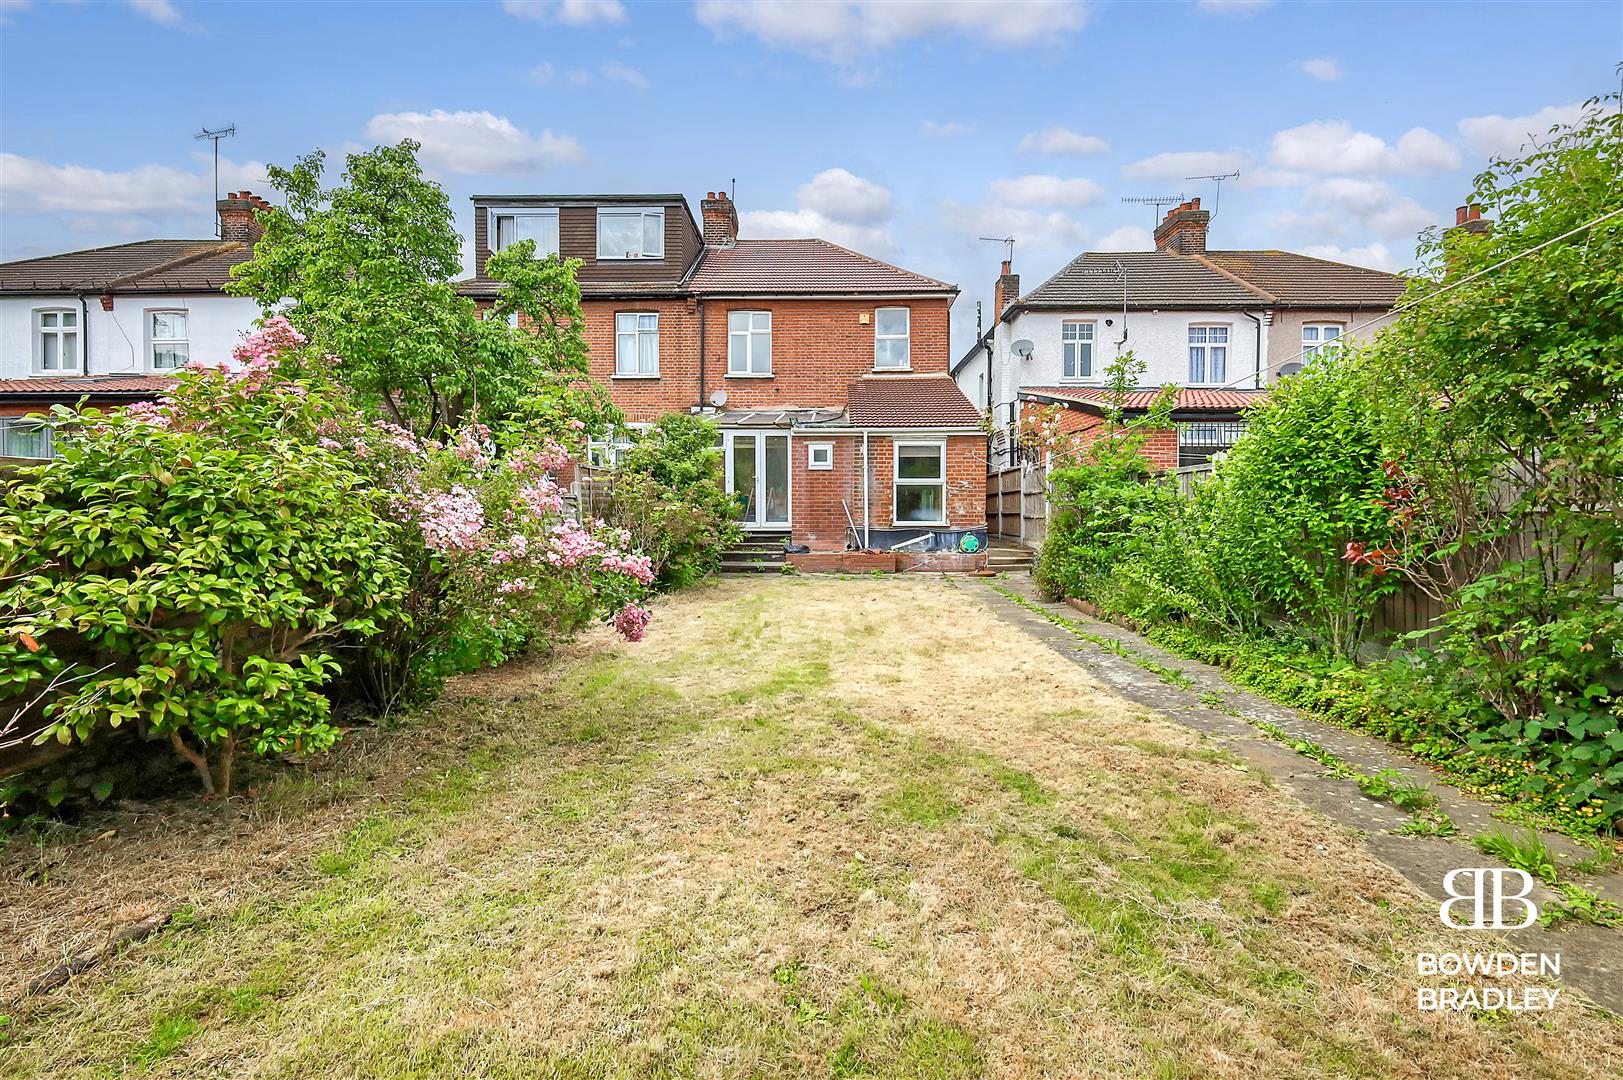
1388	785
1582	905
1526	851
1436	824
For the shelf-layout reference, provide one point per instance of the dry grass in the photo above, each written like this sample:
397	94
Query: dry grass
808	828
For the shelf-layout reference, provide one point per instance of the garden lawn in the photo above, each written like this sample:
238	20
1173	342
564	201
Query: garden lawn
807	828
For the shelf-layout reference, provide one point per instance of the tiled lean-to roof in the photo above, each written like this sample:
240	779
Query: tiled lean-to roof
1191	398
910	401
72	386
147	266
772	267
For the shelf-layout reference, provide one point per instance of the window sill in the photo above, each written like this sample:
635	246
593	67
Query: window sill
893	370
74	373
631	258
751	375
654	375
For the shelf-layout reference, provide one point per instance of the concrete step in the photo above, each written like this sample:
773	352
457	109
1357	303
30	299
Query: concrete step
749	566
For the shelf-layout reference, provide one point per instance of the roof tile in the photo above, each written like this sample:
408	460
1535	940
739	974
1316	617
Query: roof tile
1189	397
803	266
142	266
910	401
70	385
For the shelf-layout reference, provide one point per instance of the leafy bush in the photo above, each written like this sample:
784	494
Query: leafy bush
667	493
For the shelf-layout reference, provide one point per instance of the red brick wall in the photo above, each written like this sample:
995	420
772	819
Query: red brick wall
1161	448
677	388
818	520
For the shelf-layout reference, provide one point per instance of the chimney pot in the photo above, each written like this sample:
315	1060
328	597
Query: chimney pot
1476	212
1459	214
710	194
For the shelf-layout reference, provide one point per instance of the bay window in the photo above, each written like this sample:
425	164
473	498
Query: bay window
921	483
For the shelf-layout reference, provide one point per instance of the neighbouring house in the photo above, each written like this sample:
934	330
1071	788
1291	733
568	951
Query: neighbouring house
1222	326
110	325
825	370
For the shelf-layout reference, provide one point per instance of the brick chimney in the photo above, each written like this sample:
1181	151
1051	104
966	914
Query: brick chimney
1183	230
237	221
1469	219
1006	292
720	219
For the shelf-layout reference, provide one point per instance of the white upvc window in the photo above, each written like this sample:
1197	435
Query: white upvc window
1076	349
892	349
56	341
1318	337
1208	355
168	347
820	456
630	232
921	483
636	343
26	437
508	227
606	451
749	343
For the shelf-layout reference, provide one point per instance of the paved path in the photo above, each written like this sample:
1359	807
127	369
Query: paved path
1591	957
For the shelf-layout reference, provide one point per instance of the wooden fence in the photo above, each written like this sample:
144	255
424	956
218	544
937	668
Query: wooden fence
1017	504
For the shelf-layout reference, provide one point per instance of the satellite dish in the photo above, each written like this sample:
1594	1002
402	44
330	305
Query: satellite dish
719	398
1022	348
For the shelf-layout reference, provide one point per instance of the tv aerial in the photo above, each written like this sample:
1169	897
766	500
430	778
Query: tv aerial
1154	201
1218	178
1007	241
215	136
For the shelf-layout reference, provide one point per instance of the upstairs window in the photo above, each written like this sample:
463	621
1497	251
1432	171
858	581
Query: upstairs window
1208	354
56	342
1320	337
891	345
636	343
539	225
630	234
1076	350
167	345
749	343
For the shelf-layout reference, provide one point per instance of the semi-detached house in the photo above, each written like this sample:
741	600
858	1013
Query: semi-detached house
825	370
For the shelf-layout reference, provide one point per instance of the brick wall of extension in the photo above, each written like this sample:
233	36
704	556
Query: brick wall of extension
820	498
1160	447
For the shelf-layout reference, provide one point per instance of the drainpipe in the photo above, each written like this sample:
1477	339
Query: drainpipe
865	475
1258	320
702	401
84	336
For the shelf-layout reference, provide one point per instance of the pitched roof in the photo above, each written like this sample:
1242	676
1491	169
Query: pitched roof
142	266
803	266
1192	398
72	386
1217	279
910	401
1303	281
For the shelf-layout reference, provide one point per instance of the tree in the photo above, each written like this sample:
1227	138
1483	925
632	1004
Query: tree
365	269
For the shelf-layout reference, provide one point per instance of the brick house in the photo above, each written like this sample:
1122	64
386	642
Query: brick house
112	324
825	370
1222	326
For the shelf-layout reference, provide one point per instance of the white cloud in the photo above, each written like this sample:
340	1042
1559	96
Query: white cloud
1340	202
1033	191
803	223
29	184
1323	68
1058	140
945	128
568	12
841	30
543	74
1033	230
1126	238
1243	8
839	195
614	71
1504	136
1177	166
1334	147
161	12
1374	256
475	143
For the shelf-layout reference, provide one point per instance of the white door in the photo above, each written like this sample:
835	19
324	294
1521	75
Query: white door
758	477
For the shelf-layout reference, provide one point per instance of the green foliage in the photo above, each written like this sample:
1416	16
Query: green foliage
369	265
667	493
191	581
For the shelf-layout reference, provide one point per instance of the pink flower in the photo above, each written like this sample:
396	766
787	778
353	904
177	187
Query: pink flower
536	461
398	437
631	621
452	521
640	567
471	444
514	585
572	545
541	498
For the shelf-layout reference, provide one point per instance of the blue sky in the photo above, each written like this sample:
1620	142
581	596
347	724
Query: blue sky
906	130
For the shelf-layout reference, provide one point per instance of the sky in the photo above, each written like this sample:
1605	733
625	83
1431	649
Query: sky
905	130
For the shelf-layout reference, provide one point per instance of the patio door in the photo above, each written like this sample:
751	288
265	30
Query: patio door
758	478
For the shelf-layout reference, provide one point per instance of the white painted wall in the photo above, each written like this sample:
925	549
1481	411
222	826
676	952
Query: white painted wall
117	338
1159	338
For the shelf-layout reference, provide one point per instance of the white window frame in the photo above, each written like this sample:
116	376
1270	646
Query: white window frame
898	481
649	251
637	331
152	339
494	226
820	456
1066	343
905	337
8	424
1320	342
750	336
1206	345
605	453
39	332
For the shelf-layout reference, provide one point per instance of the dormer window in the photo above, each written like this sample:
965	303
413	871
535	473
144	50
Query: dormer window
630	233
511	226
